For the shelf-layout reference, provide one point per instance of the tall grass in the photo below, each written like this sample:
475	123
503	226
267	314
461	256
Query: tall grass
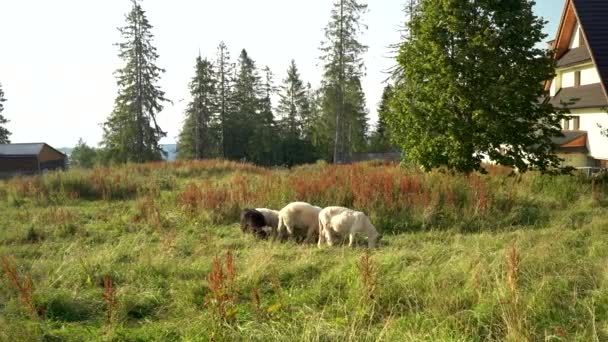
153	252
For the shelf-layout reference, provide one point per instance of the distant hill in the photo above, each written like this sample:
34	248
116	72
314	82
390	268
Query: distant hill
171	150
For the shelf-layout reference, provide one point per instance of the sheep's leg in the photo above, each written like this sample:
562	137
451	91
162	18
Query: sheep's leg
330	240
351	240
321	238
310	235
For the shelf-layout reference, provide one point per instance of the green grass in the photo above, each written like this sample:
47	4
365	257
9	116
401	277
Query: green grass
533	265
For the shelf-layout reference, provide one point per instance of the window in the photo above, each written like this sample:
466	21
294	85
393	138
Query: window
577	78
576	123
566	125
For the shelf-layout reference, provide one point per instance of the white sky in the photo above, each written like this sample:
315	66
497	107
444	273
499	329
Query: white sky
57	58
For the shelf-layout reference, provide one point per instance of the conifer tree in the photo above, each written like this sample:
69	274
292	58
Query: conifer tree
266	133
224	74
294	110
343	68
131	133
380	138
4	133
243	120
198	139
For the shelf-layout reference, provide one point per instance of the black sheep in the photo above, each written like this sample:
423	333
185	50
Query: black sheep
252	221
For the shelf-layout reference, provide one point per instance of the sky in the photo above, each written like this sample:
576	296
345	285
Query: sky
57	58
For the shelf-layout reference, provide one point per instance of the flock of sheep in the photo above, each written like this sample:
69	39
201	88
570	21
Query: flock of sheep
302	220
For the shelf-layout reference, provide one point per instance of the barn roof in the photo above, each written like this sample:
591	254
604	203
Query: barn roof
23	150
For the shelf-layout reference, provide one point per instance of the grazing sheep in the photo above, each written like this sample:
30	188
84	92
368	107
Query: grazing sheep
325	216
350	222
299	217
271	217
252	221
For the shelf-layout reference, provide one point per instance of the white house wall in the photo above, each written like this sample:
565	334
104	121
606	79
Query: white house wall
596	142
568	79
576	38
589	76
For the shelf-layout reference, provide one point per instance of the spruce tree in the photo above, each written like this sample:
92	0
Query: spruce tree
224	75
243	120
380	138
131	133
293	110
4	133
265	136
198	139
343	68
472	76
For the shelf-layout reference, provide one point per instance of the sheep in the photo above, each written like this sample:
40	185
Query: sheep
252	221
299	217
271	217
350	222
325	216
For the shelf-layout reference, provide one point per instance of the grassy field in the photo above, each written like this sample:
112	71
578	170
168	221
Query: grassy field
154	253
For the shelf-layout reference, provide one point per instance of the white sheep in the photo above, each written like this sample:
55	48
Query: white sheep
325	216
350	222
271	217
299	217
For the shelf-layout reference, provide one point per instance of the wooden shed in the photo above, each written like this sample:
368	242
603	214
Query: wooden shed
17	159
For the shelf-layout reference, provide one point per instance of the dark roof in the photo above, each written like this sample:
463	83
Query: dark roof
593	18
574	56
22	150
588	96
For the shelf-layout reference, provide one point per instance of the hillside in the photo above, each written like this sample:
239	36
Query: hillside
154	252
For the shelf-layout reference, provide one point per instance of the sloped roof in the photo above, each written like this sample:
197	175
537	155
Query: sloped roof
574	56
571	141
593	18
21	149
24	150
587	96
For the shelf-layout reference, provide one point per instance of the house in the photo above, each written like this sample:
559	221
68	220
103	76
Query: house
17	159
582	79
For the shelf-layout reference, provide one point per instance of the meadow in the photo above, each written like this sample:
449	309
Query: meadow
154	252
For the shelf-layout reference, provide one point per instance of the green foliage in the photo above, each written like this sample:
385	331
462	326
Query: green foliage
470	81
343	126
4	133
83	155
131	133
199	137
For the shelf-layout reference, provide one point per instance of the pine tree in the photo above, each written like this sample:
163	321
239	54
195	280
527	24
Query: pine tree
294	111
243	120
4	133
131	133
472	77
292	103
343	70
380	139
198	139
224	88
267	130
